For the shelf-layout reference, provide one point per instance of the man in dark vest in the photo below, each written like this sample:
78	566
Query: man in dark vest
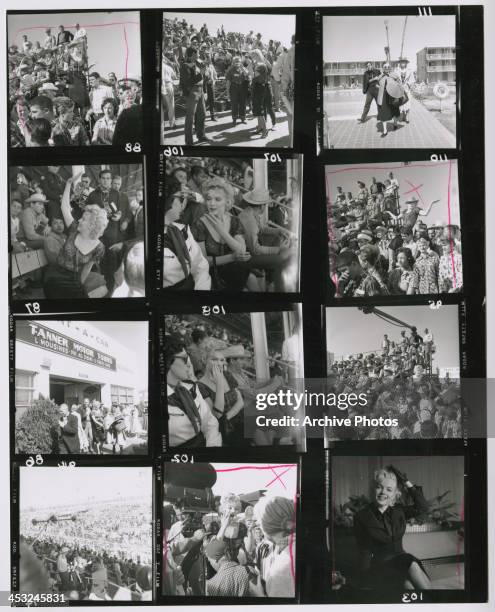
68	442
370	89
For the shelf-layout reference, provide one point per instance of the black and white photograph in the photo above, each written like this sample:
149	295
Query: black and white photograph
228	79
232	224
406	360
86	533
217	364
389	82
81	387
229	530
394	229
396	525
77	232
74	79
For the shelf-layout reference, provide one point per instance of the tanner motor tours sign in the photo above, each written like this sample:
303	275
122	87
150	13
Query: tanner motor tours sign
43	337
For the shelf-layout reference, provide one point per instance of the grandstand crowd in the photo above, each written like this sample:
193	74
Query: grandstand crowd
56	99
379	243
243	73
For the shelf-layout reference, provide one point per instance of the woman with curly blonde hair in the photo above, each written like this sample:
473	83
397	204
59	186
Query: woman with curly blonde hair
72	275
220	236
379	529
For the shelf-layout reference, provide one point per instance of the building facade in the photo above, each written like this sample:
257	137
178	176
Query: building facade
68	361
435	65
346	74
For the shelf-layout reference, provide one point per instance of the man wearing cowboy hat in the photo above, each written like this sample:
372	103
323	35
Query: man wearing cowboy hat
34	222
412	212
254	222
49	90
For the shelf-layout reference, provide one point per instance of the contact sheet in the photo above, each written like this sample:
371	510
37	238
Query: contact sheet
246	306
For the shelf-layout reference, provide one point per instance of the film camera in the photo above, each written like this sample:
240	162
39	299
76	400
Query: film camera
188	487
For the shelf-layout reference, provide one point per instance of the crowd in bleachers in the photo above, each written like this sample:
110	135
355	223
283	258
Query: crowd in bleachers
102	553
221	70
379	244
400	383
55	99
221	233
219	375
89	230
238	550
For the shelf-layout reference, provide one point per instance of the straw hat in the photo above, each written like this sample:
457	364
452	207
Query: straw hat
257	197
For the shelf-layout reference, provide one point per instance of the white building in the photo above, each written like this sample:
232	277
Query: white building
68	361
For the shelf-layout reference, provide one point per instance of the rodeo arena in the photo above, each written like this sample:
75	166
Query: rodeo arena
394	102
97	550
58	98
402	381
244	82
232	224
379	243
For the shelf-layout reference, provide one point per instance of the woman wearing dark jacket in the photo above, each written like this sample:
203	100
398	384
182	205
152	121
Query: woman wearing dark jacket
379	529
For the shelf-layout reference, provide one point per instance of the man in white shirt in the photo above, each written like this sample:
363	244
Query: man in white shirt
190	420
79	33
97	94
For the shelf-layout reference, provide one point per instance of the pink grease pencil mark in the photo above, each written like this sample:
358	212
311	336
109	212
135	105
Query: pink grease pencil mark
414	189
258	467
291	548
277	477
451	242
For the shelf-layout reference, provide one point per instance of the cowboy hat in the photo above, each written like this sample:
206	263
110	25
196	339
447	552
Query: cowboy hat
411	201
48	87
36	197
257	197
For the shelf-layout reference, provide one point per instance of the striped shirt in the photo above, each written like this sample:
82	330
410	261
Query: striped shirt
231	580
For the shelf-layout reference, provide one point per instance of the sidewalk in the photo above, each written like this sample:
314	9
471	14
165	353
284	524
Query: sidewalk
344	108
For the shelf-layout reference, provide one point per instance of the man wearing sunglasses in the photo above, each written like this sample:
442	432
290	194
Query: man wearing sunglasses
190	420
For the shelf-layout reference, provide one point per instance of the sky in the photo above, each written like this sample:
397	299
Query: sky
45	487
432	178
107	34
254	477
355	39
350	331
278	27
133	335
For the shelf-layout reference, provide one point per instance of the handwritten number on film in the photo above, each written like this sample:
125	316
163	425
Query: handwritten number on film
33	307
182	459
412	597
273	157
208	310
169	151
425	11
435	157
435	305
133	148
38	460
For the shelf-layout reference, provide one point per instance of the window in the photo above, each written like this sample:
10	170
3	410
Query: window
24	388
124	396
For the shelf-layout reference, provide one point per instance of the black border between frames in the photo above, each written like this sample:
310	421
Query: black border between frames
20	307
220	296
146	84
192	309
413	10
251	457
475	553
153	406
82	462
313	560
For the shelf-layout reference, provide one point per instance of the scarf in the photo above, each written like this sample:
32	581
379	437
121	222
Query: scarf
183	399
175	240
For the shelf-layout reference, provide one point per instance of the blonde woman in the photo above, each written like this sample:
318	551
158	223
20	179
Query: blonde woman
277	518
379	529
219	389
221	239
72	276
